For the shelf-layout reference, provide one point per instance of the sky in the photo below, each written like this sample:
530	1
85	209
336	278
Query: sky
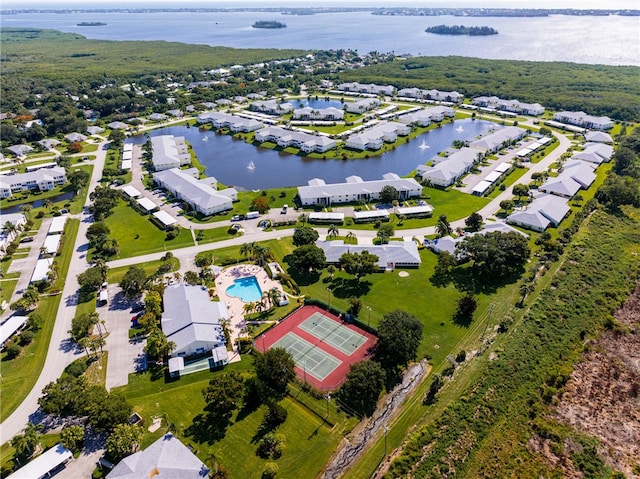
579	4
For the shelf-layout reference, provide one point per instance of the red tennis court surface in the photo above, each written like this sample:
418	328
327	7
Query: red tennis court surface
322	345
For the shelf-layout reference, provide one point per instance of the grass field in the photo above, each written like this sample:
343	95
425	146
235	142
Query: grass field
115	275
19	375
136	234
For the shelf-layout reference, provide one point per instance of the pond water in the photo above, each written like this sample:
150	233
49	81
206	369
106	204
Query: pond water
69	195
227	159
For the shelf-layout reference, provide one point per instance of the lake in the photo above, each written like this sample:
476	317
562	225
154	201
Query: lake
226	158
608	40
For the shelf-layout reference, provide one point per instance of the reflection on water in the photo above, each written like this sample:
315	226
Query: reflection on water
226	158
37	203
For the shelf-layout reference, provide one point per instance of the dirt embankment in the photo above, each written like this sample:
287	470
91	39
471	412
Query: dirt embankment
602	397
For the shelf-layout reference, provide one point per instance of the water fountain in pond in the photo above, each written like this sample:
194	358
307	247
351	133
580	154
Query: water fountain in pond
423	146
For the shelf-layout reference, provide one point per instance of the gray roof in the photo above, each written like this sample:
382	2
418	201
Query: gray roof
167	458
598	137
449	168
196	192
542	211
165	151
405	252
498	138
354	184
20	150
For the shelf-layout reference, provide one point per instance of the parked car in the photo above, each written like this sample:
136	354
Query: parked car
27	239
235	218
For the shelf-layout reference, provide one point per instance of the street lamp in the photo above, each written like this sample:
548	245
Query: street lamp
369	321
328	399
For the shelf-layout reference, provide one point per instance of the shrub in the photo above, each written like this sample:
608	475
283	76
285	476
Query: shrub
26	337
270	470
77	368
13	351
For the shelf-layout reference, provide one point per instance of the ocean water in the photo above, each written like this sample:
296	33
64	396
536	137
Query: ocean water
610	40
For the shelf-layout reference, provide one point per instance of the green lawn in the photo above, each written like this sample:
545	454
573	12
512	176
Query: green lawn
512	178
115	275
137	234
19	375
213	234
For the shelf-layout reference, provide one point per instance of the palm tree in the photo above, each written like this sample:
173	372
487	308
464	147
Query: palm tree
331	269
247	249
26	209
333	231
350	237
47	203
262	254
177	276
98	342
274	296
9	227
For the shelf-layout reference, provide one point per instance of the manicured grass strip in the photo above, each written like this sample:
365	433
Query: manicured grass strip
213	234
137	234
115	275
19	375
511	179
8	286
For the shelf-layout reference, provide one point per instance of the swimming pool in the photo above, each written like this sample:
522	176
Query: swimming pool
247	289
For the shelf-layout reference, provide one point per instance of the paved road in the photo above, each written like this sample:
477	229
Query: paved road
61	351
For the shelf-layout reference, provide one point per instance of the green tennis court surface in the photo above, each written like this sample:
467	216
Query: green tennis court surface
333	333
307	356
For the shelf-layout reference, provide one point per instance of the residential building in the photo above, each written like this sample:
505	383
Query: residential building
75	137
595	153
158	117
44	179
355	189
271	107
48	143
493	142
446	171
94	130
45	465
514	106
543	211
361	106
169	152
192	321
305	141
118	125
395	254
200	195
323	114
598	137
18	220
20	150
233	122
167	457
576	174
435	95
374	138
580	118
371	89
425	116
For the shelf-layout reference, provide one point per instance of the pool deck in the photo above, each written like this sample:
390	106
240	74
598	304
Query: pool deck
236	305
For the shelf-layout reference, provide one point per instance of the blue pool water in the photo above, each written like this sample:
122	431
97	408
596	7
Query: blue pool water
247	289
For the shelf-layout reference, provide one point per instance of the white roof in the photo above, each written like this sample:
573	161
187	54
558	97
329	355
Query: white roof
44	463
360	215
165	218
126	164
503	167
10	326
481	187
220	354
52	243
196	192
131	191
402	252
324	215
167	458
42	269
414	210
176	364
493	176
146	204
57	225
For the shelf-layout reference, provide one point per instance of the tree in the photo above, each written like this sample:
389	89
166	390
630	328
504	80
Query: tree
446	262
133	282
270	471
64	397
466	306
365	381
92	278
495	254
355	305
304	235
116	137
359	264
223	396
158	346
25	444
520	190
153	304
308	257
399	335
78	179
260	204
619	190
82	325
474	222
332	231
262	254
385	232
388	194
105	410
274	371
506	205
192	278
271	446
28	300
97	232
72	437
123	441
246	249
443	228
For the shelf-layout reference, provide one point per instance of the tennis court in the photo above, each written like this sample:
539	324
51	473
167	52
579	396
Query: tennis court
333	333
307	356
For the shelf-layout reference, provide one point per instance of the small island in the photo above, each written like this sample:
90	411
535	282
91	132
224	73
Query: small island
91	24
268	24
461	30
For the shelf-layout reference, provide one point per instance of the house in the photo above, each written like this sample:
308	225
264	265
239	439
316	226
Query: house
18	220
44	179
200	195
598	137
514	106
271	107
175	113
595	153
157	117
323	114
192	321
94	130
395	254
449	243
117	125
355	189
48	144
169	152
361	106
499	139
371	88
420	211
434	95
75	138
20	150
580	118
167	457
448	170
575	175
543	211
374	138
304	141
